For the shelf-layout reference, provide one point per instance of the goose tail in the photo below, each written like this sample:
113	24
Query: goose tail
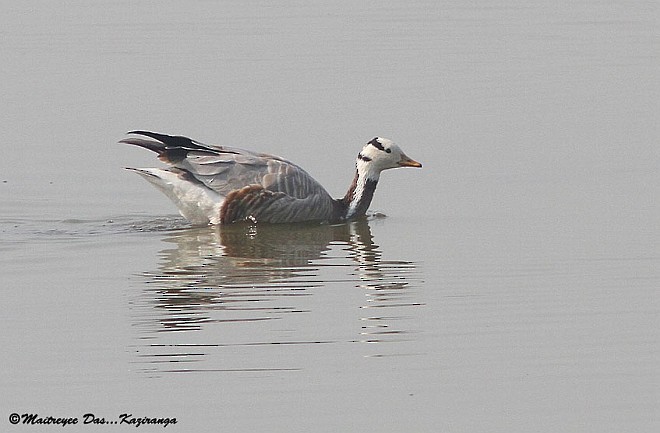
196	203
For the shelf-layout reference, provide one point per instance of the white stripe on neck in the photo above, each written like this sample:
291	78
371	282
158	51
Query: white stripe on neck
364	175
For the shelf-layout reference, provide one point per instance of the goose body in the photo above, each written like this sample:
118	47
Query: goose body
223	185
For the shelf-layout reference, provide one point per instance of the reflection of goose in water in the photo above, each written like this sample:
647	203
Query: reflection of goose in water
244	274
387	287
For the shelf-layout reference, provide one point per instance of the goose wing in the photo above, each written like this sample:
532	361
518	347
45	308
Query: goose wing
255	185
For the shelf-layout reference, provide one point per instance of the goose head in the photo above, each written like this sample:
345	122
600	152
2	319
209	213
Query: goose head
377	155
381	154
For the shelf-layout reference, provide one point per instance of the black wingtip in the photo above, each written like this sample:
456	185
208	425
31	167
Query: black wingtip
163	138
170	148
170	141
155	146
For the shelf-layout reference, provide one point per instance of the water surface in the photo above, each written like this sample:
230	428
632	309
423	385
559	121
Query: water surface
511	287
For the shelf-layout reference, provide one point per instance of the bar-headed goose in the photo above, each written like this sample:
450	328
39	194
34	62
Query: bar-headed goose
223	185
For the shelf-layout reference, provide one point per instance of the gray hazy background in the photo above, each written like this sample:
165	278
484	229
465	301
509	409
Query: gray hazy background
527	249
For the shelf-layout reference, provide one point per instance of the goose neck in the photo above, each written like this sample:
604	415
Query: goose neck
359	195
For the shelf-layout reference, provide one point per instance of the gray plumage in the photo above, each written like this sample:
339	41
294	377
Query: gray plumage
222	185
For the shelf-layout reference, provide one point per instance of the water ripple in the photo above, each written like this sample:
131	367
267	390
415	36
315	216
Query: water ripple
217	289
